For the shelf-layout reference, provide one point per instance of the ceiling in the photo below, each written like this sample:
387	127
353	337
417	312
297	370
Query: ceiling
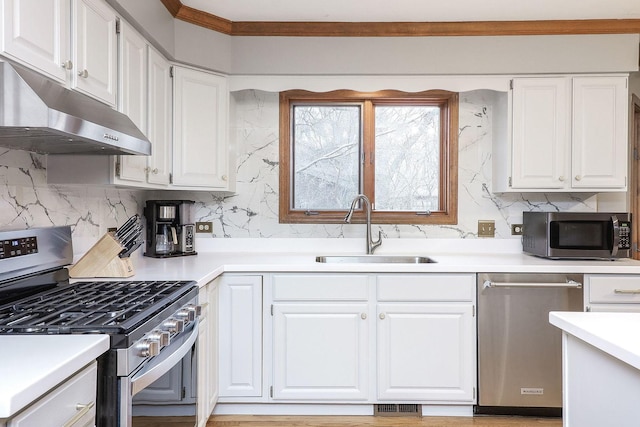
415	10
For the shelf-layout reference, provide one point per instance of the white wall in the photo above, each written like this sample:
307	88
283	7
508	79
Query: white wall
435	55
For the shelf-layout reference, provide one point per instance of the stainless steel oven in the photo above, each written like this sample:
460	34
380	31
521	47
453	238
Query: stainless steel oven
152	325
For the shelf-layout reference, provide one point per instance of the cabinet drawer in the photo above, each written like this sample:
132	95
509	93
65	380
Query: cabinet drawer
426	287
614	289
62	405
317	287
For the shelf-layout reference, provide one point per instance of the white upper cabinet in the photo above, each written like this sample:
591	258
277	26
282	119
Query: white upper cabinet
200	136
600	132
95	50
540	132
37	33
160	126
70	41
568	134
133	97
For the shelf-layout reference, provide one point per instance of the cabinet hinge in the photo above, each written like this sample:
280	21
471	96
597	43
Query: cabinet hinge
171	178
271	391
117	25
511	84
473	311
272	309
118	168
510	184
171	71
184	392
474	393
587	308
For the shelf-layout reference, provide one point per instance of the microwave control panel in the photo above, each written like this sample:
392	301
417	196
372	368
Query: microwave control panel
625	235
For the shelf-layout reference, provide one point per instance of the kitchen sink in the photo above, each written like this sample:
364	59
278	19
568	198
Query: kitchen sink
377	259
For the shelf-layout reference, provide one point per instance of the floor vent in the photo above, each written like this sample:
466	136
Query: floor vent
397	410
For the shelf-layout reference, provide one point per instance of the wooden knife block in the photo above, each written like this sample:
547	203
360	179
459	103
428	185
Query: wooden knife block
102	260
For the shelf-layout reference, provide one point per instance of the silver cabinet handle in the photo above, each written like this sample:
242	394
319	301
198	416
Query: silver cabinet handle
83	409
382	316
363	316
154	171
67	65
626	291
561	178
224	177
578	177
83	73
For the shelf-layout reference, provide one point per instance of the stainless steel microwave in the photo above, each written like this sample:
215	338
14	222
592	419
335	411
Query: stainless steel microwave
578	235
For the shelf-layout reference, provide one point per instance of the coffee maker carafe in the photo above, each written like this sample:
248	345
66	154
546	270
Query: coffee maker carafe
170	228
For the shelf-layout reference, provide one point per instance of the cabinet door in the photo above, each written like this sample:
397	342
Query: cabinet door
541	142
36	33
133	96
320	351
207	352
200	155
600	132
95	50
240	329
160	127
426	352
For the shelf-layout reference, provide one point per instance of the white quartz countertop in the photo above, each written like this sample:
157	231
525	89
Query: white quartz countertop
31	365
613	333
217	256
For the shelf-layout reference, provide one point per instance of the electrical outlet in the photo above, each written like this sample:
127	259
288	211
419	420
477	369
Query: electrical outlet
486	228
204	227
516	229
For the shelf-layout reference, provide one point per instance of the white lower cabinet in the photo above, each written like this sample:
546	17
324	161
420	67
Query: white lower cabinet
612	292
320	337
208	352
425	352
240	339
374	338
71	404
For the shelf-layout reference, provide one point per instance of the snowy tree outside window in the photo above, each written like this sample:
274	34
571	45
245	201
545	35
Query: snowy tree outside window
397	148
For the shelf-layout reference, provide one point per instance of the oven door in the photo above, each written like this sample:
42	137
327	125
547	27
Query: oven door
160	369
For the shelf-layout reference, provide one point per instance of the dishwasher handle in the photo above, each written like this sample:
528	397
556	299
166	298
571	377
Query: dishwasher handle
568	284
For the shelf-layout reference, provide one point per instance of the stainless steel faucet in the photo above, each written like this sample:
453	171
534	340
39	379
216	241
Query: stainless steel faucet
371	245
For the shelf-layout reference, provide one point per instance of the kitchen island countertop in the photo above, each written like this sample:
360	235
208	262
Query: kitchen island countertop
31	365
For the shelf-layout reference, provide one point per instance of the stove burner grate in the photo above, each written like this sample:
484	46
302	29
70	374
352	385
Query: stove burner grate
84	306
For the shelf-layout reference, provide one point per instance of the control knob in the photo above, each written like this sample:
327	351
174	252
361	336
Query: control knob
148	348
173	325
163	337
196	309
186	314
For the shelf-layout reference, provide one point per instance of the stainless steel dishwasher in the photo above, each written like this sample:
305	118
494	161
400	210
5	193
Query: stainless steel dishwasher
519	352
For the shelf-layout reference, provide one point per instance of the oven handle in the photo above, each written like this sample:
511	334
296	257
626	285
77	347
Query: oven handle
161	365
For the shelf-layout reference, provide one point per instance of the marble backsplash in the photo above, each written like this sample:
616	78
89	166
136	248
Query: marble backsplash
26	200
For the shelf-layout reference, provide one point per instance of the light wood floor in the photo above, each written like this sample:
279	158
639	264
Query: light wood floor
352	421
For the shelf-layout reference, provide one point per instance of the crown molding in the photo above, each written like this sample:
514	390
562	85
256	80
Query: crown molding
400	29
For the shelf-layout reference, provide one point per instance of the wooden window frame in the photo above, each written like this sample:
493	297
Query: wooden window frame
448	192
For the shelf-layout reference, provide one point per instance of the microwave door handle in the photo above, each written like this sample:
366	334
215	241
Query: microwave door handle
616	235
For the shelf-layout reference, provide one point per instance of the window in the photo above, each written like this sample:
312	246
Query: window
397	148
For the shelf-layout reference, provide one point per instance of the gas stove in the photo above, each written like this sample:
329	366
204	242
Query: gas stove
117	308
152	325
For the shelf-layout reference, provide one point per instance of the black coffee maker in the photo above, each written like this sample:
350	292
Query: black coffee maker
170	228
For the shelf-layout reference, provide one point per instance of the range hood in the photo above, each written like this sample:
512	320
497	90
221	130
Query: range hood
37	114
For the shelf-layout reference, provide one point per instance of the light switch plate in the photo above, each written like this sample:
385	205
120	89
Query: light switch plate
486	228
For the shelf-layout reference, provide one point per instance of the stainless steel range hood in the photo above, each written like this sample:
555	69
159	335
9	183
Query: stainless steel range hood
39	115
